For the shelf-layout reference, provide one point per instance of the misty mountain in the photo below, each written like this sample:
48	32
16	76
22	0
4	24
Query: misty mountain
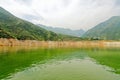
77	33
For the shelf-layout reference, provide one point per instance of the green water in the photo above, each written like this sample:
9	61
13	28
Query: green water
60	64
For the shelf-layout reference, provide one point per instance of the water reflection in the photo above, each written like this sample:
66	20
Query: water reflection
107	57
75	69
13	61
59	64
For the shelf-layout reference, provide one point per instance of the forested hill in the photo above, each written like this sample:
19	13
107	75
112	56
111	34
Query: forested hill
108	30
13	27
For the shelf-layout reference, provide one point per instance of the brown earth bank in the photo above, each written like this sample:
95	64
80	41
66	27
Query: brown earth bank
77	44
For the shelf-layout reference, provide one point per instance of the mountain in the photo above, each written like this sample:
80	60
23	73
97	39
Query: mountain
108	30
70	32
13	27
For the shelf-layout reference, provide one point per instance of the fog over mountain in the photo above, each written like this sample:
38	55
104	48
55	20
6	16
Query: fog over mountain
77	33
73	14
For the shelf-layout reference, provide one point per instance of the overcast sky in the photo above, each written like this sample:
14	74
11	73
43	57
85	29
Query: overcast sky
73	14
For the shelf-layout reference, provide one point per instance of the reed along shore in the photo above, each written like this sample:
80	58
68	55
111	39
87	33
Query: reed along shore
78	44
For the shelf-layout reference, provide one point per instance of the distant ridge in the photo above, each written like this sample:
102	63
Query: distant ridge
77	33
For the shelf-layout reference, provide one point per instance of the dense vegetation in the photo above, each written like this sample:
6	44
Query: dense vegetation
13	27
108	30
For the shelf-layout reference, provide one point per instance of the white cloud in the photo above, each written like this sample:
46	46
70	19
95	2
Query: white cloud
74	14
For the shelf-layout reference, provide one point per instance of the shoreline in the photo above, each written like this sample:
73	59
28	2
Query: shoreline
77	44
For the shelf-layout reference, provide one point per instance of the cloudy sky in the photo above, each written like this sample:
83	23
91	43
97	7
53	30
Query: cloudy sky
73	14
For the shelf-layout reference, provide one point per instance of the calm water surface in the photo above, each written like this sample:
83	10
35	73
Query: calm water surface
59	64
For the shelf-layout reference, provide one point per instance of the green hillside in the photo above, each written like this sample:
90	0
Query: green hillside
108	30
13	27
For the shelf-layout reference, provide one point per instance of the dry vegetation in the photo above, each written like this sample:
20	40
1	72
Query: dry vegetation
78	44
